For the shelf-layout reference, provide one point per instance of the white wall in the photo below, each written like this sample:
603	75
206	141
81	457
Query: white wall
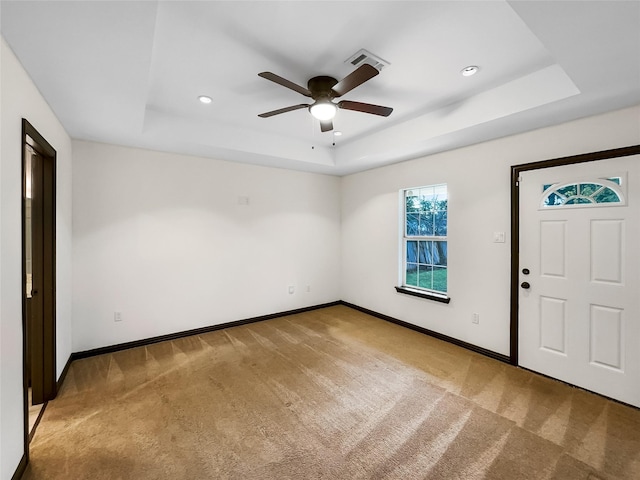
478	179
20	99
162	239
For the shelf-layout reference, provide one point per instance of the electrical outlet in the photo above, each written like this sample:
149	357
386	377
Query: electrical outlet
476	318
291	289
308	288
117	316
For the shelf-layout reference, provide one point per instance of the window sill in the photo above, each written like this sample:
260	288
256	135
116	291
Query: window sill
442	298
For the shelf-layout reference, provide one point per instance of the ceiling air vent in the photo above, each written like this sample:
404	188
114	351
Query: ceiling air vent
363	56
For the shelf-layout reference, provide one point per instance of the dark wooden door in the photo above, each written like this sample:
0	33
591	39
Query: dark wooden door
40	312
35	329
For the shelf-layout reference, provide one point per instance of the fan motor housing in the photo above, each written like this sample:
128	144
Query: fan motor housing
321	86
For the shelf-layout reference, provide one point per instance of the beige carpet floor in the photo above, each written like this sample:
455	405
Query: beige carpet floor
328	394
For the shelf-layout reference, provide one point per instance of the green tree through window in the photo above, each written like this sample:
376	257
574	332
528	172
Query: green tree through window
425	238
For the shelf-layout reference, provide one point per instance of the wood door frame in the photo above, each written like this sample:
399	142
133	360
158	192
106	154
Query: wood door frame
516	170
44	149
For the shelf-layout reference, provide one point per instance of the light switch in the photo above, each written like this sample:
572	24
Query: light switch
498	237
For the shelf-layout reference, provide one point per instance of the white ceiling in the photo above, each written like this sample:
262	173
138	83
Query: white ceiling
129	73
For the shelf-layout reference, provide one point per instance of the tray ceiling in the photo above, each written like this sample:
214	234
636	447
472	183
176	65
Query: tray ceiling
129	73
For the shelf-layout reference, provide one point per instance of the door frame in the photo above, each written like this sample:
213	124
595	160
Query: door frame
49	380
516	170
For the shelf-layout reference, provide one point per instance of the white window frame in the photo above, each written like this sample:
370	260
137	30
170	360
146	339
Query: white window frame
405	238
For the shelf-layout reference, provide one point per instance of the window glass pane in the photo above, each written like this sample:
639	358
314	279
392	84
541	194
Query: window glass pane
425	252
440	279
412	202
568	190
578	201
552	199
588	189
617	180
606	195
441	223
426	206
425	276
439	253
427	196
411	278
412	251
413	224
440	204
426	224
440	193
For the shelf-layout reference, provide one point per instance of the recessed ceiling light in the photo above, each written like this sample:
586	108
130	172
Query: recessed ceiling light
470	70
204	99
337	133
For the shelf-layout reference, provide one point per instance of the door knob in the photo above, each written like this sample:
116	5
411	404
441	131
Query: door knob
525	285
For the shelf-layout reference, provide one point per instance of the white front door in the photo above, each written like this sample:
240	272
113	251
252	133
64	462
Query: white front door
579	296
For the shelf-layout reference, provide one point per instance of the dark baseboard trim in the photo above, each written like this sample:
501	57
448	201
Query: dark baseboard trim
37	422
63	375
22	467
59	383
431	333
212	328
196	331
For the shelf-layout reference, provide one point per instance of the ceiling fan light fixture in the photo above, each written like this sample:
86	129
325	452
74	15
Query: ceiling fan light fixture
323	90
323	110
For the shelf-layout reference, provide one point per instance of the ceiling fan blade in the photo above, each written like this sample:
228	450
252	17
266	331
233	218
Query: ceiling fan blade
285	83
354	79
326	125
283	110
365	108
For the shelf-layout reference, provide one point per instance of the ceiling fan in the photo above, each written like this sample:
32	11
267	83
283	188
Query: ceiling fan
323	90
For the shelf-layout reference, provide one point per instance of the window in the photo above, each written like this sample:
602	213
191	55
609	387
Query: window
424	242
588	193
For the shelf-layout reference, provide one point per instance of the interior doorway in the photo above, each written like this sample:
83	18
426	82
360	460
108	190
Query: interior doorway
39	273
